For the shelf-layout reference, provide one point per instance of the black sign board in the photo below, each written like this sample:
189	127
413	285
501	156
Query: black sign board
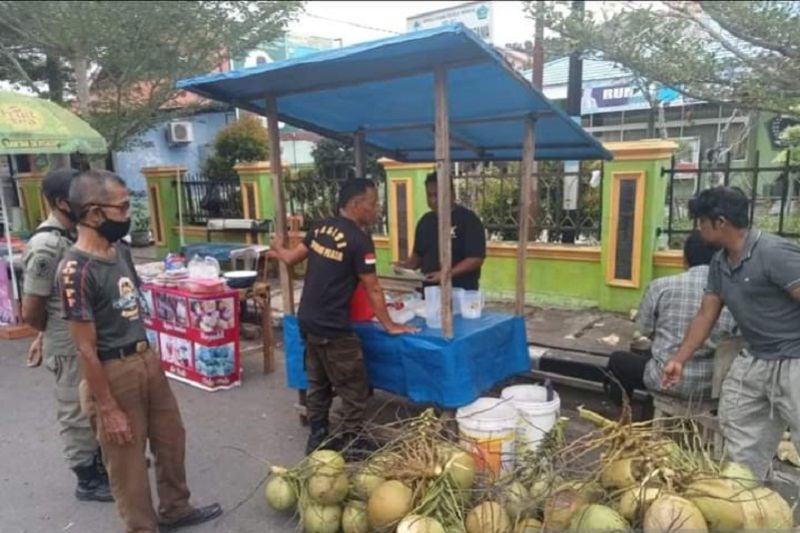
776	126
626	217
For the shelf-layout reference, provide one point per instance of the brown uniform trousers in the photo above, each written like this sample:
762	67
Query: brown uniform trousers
336	363
142	391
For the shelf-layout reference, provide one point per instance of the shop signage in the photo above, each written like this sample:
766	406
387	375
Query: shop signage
476	16
776	126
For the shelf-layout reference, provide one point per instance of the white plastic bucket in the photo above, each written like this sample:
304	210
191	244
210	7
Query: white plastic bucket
458	299
472	304
536	416
433	307
487	427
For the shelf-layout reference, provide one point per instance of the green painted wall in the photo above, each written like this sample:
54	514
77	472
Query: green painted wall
662	271
31	187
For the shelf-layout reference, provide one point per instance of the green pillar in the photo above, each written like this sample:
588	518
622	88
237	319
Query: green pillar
257	199
634	194
162	198
406	201
34	206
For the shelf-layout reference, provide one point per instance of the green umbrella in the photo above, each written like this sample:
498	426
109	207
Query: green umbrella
30	125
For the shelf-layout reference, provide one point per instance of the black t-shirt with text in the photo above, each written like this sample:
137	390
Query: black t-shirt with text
468	240
338	252
103	291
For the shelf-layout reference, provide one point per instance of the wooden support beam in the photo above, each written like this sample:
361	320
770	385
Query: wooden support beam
477	120
287	290
359	154
526	192
444	200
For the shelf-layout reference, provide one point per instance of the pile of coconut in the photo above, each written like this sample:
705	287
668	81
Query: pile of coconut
622	477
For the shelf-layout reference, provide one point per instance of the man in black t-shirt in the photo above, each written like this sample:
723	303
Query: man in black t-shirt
340	254
125	393
468	243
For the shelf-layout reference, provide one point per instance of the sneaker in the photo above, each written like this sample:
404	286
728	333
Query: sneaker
318	437
198	515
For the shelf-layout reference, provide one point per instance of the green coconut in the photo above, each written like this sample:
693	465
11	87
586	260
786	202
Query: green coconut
461	469
365	482
727	507
326	463
622	473
598	518
591	490
635	501
388	504
354	518
559	508
516	499
739	473
415	523
542	488
488	517
673	514
322	518
280	494
328	490
528	525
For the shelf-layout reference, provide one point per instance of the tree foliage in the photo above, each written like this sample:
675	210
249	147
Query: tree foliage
130	52
335	160
242	141
743	52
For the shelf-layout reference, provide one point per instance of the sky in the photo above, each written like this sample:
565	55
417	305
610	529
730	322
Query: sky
354	22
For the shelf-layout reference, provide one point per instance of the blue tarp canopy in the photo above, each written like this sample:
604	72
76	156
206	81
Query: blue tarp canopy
386	89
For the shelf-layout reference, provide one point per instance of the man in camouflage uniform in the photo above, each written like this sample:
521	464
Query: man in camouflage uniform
41	309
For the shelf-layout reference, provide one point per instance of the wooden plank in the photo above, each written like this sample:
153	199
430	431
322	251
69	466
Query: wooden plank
359	154
525	193
444	197
287	291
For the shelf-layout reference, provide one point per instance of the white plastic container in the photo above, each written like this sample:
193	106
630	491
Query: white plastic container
472	304
487	427
458	299
536	416
433	307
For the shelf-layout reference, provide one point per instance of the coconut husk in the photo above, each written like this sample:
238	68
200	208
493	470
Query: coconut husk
674	514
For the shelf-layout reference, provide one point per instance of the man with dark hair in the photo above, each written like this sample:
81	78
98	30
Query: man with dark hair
468	243
41	309
757	276
126	394
340	255
664	314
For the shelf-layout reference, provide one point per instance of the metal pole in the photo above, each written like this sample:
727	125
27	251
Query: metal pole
444	198
525	187
180	206
287	291
574	92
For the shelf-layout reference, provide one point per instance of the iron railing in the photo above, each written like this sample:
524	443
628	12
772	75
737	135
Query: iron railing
772	188
203	199
574	217
314	199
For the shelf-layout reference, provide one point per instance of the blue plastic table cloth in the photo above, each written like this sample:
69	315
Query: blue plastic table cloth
425	367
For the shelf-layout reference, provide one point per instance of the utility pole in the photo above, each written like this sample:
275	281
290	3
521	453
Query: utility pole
537	70
572	168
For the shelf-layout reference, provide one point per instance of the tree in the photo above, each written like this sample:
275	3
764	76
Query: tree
242	141
132	51
335	161
746	53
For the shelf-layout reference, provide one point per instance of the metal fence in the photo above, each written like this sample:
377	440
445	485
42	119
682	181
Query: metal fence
772	187
569	204
314	199
202	199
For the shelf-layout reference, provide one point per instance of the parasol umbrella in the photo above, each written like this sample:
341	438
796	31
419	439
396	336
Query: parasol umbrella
30	125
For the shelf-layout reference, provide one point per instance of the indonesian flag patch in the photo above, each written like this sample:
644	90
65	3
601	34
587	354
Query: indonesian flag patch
369	259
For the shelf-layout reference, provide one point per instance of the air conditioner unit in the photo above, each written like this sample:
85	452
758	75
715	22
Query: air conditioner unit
180	132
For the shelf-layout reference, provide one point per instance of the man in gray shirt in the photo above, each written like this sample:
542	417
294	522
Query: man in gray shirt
41	309
757	276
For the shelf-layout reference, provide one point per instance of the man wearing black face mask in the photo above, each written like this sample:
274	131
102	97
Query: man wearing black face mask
41	309
126	394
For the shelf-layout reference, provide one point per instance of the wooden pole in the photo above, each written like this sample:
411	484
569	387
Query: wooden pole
527	189
442	131
358	153
287	291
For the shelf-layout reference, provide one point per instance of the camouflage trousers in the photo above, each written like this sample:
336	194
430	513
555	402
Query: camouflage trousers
336	363
80	445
